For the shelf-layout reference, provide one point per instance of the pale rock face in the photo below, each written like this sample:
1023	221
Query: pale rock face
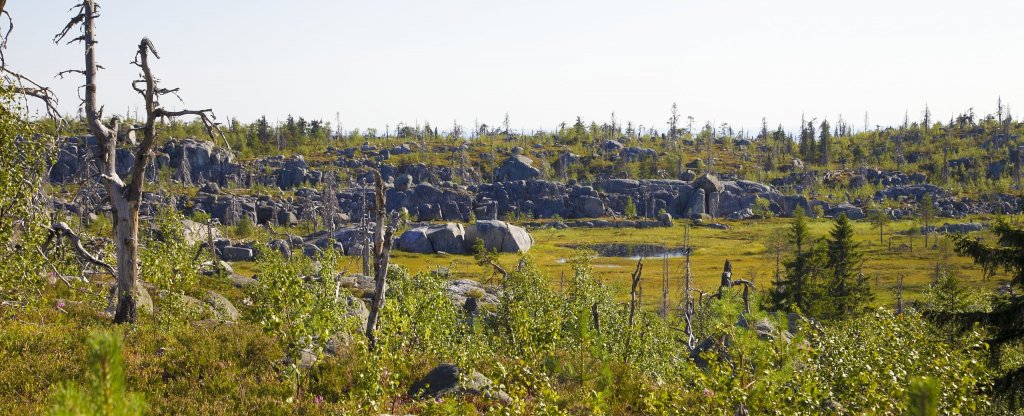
499	235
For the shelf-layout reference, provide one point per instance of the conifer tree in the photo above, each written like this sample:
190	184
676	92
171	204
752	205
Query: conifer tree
825	146
847	290
794	290
1004	320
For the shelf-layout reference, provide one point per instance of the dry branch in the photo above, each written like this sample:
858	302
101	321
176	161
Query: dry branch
62	230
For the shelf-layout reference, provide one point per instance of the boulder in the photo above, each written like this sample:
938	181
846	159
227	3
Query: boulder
210	188
281	246
459	290
221	306
358	314
403	182
499	235
611	146
231	253
695	206
852	212
449	379
286	218
415	241
636	154
665	219
709	183
143	301
517	168
311	251
196	233
449	238
242	282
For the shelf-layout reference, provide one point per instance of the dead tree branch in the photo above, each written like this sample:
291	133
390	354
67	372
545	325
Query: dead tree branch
62	230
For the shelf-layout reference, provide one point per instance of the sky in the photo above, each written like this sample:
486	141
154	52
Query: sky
377	63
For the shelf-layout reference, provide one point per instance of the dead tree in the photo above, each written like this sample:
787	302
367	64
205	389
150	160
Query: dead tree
634	287
664	285
364	224
635	283
125	197
899	294
688	305
329	200
383	239
728	282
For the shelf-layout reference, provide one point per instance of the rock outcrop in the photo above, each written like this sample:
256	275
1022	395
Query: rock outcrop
458	239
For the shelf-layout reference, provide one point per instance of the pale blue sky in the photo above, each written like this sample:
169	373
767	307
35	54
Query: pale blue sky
543	62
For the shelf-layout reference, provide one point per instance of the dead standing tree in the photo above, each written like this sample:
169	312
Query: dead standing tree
728	282
634	299
124	197
383	239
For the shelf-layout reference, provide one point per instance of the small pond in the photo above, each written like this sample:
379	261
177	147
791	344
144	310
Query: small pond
631	250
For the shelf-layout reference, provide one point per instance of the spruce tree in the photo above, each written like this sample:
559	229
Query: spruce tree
795	291
825	146
847	291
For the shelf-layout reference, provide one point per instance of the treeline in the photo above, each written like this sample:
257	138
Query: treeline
966	152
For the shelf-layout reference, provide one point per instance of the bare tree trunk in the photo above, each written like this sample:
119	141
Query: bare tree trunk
688	307
635	283
632	306
383	239
664	285
126	232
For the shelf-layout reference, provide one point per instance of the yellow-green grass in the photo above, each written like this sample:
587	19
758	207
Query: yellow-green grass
744	244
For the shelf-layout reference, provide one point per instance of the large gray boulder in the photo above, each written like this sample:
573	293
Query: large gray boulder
695	206
415	241
499	235
636	154
449	238
852	212
517	168
709	183
221	306
231	253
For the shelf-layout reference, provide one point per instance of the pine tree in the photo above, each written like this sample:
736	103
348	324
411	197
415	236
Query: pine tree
848	291
105	391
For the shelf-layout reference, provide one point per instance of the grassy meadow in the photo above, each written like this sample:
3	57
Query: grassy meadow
746	244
